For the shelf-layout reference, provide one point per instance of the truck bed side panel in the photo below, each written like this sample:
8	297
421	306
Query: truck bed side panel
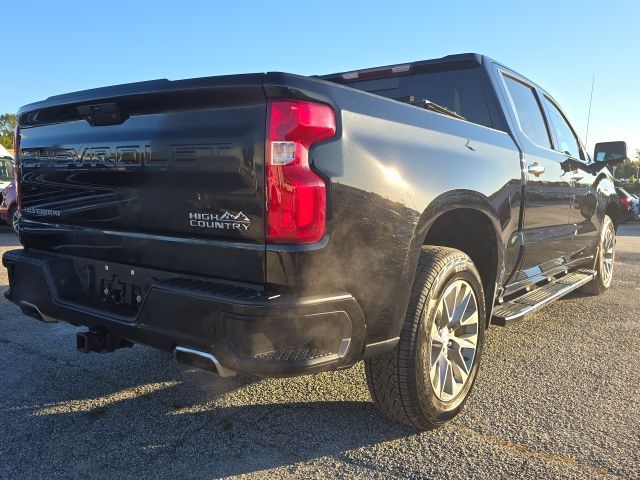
392	170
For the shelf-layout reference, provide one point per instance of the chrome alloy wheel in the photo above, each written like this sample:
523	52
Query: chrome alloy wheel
15	220
454	337
608	254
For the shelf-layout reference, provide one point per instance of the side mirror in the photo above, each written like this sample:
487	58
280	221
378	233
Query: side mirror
610	152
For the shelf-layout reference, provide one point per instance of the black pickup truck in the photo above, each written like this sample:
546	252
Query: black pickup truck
276	224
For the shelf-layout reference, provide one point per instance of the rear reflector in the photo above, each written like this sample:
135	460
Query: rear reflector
296	195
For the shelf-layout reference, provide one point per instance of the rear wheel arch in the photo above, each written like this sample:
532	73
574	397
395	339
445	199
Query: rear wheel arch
466	221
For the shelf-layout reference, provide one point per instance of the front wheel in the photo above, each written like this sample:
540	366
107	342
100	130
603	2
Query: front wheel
604	261
427	379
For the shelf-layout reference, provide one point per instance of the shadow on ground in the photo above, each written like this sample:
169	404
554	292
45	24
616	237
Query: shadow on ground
173	420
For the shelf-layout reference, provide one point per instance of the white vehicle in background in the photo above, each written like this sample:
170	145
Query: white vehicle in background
6	168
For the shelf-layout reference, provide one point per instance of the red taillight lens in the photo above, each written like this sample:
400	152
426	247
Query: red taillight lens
625	201
296	195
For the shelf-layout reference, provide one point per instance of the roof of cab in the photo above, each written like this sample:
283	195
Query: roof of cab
458	60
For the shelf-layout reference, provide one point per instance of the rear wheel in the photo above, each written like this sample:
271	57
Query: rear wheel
13	219
427	379
604	263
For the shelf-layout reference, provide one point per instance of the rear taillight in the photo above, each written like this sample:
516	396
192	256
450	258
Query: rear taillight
296	196
625	201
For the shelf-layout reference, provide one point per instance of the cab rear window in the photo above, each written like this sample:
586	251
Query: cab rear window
460	91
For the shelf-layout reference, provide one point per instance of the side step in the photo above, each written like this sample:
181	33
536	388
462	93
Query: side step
517	308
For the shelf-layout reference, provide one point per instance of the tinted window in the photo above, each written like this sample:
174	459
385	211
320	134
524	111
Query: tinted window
6	170
460	91
528	111
565	138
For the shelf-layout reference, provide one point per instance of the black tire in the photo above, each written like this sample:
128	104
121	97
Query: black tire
602	282
13	212
398	381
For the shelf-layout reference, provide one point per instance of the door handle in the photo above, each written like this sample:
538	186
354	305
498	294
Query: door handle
576	176
535	169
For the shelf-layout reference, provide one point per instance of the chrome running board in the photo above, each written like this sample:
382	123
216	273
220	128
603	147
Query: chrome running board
517	308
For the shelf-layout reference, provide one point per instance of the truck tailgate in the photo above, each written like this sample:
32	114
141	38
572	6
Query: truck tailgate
160	174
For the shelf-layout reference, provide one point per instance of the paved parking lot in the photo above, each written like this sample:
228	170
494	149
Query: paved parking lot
558	396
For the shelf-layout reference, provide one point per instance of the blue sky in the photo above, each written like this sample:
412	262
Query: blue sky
56	47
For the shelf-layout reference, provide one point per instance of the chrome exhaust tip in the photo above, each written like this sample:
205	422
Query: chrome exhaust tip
190	357
31	310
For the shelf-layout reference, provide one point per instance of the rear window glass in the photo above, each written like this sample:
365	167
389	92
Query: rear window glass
460	91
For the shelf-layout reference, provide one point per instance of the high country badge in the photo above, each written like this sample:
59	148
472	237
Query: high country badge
224	221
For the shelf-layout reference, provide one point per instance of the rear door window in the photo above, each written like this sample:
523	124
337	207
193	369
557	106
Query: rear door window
528	111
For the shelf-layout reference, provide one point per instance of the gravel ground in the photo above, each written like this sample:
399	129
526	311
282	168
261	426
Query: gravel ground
558	396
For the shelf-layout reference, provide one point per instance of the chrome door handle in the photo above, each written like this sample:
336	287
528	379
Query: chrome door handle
576	176
535	169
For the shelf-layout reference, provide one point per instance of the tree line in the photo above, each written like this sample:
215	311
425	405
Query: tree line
7	126
629	169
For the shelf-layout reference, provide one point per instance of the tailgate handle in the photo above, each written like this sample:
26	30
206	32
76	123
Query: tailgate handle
102	114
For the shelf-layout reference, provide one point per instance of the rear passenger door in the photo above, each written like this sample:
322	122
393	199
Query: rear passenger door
548	189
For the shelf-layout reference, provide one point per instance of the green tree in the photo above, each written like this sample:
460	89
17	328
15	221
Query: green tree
7	126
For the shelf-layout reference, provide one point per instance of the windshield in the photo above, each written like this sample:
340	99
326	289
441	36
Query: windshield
460	91
6	169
